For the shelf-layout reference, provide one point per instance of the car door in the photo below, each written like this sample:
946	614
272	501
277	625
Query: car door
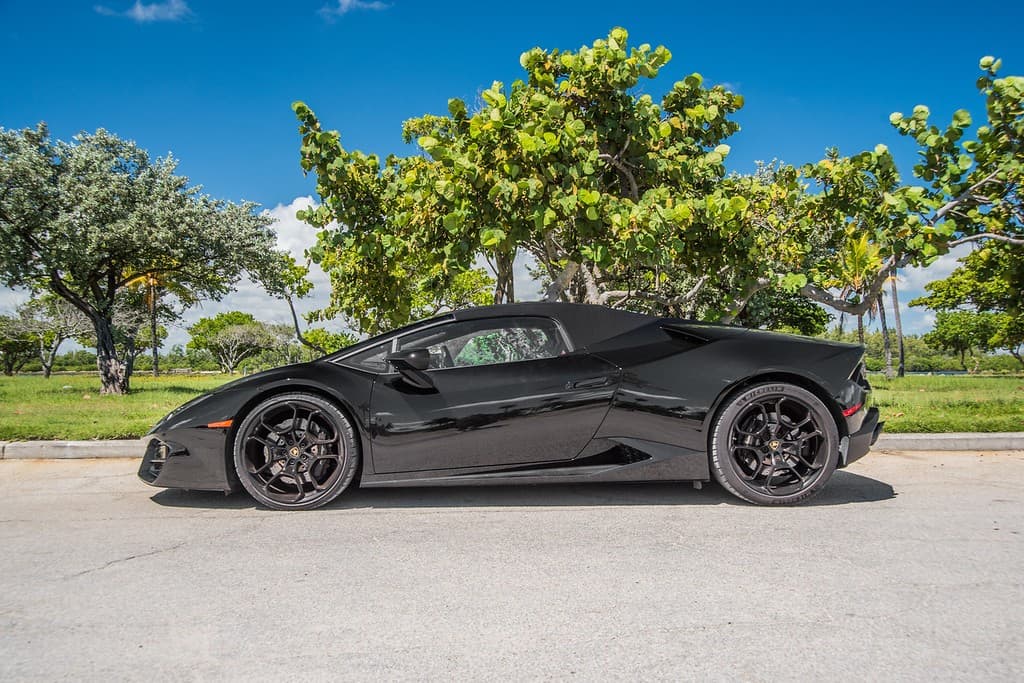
504	391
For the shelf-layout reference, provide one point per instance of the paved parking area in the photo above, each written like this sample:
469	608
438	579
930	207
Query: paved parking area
909	566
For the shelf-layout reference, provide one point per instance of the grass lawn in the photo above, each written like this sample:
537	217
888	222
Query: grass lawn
950	403
34	408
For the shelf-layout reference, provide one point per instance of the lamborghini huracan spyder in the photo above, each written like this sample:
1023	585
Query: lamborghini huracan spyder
530	393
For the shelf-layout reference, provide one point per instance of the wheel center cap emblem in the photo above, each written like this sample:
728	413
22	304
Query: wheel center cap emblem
294	451
774	445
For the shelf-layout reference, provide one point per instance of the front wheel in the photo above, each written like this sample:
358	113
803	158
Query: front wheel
774	444
295	452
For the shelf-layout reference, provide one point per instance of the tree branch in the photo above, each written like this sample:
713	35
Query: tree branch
621	167
666	301
558	287
962	197
740	302
1009	239
78	302
298	330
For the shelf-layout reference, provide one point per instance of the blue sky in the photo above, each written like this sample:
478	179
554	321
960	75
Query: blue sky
213	81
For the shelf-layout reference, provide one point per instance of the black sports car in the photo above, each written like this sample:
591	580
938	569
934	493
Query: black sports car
530	393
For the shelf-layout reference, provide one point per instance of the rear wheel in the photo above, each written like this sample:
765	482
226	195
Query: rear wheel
295	452
774	444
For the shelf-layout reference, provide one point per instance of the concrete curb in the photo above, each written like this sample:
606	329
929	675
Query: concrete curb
134	448
62	450
953	441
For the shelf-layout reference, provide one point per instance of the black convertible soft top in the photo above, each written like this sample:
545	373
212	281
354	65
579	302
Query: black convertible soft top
586	324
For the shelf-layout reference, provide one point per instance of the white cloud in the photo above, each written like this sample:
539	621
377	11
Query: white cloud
10	299
346	6
915	279
172	10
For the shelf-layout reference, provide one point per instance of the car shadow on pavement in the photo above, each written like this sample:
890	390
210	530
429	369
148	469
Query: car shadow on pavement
846	488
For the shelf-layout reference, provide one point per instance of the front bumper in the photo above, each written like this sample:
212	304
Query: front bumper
187	459
860	442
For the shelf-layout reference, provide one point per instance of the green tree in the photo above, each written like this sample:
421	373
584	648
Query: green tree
231	338
969	190
784	312
990	280
620	199
960	332
16	345
86	218
329	341
49	321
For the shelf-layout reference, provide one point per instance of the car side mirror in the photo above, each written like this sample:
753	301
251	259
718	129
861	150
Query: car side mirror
411	363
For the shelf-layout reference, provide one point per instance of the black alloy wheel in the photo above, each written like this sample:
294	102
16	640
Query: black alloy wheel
774	444
295	451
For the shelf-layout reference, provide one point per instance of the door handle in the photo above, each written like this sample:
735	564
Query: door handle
589	383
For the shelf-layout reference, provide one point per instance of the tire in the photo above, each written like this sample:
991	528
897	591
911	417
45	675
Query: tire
281	466
774	444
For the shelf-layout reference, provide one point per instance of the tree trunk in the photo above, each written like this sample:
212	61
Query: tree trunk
963	359
114	374
886	344
152	333
504	287
842	323
860	328
47	354
593	293
901	353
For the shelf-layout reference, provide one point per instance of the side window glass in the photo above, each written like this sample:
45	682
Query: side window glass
371	359
489	342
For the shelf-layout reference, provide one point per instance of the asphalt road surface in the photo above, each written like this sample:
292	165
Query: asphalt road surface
908	566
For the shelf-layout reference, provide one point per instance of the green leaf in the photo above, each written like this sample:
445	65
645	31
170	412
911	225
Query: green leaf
453	222
791	282
527	142
457	108
427	142
494	96
738	204
589	197
492	237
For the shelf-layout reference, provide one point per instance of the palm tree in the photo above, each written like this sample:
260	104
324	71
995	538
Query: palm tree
900	367
878	308
157	285
859	263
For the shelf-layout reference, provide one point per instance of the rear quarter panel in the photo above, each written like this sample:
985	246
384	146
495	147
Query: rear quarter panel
671	387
